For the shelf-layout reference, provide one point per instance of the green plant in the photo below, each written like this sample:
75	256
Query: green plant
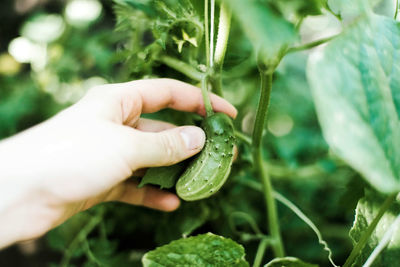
350	88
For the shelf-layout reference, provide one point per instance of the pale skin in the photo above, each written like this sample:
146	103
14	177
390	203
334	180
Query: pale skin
84	155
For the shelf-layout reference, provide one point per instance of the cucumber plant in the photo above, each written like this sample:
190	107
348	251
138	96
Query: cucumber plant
208	171
250	52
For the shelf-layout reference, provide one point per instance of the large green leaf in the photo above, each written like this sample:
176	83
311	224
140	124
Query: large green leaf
289	262
367	209
202	250
264	28
355	83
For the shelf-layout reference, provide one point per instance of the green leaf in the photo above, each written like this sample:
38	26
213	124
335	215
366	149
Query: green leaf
355	83
202	250
265	29
165	176
289	262
367	209
149	28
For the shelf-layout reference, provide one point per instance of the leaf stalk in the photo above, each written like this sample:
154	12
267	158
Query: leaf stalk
182	67
310	45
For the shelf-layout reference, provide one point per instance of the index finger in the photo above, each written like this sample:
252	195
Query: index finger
131	99
157	94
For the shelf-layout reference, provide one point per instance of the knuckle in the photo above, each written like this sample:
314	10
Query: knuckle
171	146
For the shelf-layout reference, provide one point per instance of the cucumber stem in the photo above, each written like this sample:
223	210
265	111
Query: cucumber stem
366	235
206	96
273	222
209	56
243	137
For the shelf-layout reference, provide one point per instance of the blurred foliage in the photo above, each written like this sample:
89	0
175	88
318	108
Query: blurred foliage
130	40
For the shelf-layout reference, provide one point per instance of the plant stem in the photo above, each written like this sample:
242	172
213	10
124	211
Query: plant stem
260	252
182	67
243	137
310	45
220	48
333	13
206	97
365	236
212	11
90	255
266	87
80	237
298	24
207	33
397	10
224	26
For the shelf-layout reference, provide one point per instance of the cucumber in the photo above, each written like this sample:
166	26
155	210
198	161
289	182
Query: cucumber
207	173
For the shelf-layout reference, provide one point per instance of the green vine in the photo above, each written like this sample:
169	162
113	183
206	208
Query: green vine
273	223
81	238
265	242
206	96
207	33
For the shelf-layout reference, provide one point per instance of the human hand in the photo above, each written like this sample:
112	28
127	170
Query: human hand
84	155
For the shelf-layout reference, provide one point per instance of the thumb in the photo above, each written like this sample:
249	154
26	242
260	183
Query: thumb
168	147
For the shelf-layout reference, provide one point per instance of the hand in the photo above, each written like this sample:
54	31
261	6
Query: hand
84	155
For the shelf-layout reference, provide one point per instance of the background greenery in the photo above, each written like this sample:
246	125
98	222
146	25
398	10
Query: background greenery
74	54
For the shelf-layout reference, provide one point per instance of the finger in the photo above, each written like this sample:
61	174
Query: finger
164	148
146	96
177	95
147	196
148	125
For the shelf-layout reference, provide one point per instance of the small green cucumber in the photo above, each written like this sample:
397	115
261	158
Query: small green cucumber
207	173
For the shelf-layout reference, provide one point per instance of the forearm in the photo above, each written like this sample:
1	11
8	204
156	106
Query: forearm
21	202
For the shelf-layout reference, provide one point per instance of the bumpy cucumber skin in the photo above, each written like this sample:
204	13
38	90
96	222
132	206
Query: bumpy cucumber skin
207	173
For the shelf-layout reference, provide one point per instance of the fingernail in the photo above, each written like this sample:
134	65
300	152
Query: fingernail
171	203
193	137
